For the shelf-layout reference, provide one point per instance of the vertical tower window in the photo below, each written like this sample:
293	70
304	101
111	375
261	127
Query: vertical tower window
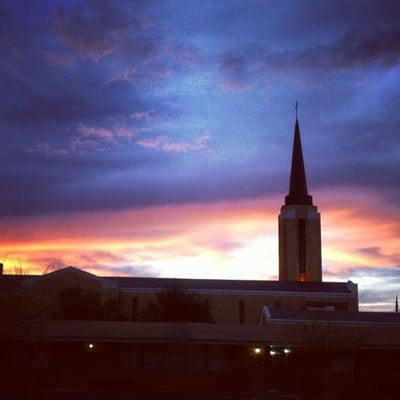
302	245
241	312
277	305
135	303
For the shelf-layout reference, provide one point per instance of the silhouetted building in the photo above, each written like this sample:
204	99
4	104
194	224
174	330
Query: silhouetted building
298	333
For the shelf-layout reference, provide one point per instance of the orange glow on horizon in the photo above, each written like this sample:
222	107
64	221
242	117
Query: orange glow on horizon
235	239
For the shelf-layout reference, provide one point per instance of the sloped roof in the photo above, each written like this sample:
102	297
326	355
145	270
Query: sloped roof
298	193
14	282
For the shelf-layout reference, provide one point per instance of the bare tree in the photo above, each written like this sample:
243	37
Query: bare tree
53	264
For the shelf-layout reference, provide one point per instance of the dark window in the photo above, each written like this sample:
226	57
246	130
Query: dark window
302	245
135	308
277	305
241	312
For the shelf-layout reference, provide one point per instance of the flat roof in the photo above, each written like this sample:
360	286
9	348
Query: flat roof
337	316
13	283
228	284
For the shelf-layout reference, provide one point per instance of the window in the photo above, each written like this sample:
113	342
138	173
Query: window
241	312
277	305
135	303
302	245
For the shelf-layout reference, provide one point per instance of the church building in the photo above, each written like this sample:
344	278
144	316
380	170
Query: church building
298	334
300	285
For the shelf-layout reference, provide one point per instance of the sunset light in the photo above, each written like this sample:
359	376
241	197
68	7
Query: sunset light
199	199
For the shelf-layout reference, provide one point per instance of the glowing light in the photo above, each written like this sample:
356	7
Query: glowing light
287	351
257	350
91	346
273	352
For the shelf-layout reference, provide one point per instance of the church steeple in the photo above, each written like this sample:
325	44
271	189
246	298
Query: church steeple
298	193
299	225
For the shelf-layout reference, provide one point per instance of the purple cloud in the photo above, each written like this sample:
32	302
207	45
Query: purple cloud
200	143
242	67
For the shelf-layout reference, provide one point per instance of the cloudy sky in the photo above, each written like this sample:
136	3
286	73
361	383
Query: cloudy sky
154	137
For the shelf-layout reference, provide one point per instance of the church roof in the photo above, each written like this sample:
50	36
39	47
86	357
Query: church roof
231	285
298	184
14	283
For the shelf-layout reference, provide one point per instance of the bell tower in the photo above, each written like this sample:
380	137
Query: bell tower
299	225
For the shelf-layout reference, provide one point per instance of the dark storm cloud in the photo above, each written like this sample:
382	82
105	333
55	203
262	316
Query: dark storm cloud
129	35
74	83
342	13
67	101
365	151
43	184
103	30
355	49
94	33
103	103
98	42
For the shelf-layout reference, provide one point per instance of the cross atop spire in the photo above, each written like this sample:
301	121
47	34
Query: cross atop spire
298	184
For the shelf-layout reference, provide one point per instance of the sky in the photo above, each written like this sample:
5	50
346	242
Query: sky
153	138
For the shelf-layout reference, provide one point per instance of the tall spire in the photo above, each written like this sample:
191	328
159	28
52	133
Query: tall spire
298	185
